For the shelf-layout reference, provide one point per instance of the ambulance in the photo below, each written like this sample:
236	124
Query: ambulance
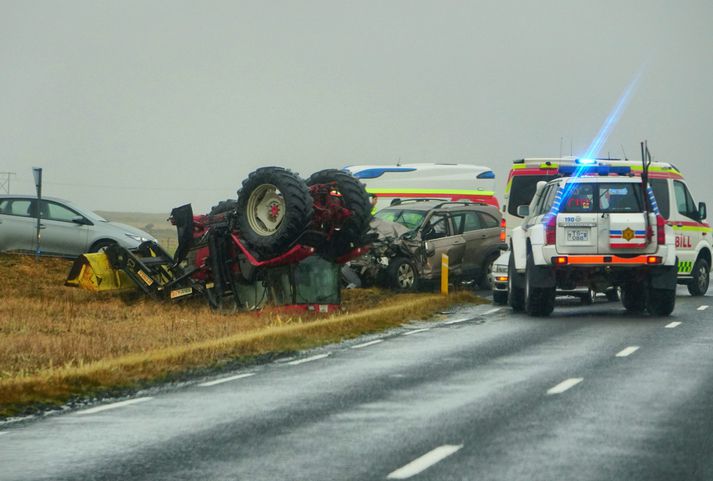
450	182
675	202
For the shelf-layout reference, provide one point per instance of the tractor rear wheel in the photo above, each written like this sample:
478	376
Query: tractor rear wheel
355	199
274	208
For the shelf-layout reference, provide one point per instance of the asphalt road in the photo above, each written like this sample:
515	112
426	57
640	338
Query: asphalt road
590	393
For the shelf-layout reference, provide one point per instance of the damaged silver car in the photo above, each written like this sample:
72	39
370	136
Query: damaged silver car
412	236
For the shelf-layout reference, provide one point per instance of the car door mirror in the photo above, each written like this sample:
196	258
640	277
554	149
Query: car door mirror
81	220
523	210
702	211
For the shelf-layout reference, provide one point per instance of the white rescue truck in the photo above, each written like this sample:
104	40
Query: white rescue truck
597	227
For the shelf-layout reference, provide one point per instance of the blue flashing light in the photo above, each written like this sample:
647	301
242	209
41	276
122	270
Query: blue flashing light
487	175
579	170
585	161
379	171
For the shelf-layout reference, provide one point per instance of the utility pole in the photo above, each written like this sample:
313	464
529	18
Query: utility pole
5	182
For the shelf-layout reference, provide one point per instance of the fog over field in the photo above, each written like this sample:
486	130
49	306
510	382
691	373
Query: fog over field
144	105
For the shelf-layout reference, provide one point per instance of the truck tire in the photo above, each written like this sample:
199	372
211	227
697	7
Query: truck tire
274	208
661	302
633	297
402	275
701	278
500	298
223	206
355	199
539	301
516	293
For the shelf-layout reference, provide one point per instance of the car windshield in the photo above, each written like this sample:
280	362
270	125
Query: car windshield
411	219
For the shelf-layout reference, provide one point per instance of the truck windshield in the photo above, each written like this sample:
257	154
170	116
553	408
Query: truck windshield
411	219
523	190
602	198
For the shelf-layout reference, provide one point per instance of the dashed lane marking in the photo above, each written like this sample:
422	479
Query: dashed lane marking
307	359
421	464
115	405
492	311
456	321
565	385
415	331
703	308
226	379
367	344
672	325
627	351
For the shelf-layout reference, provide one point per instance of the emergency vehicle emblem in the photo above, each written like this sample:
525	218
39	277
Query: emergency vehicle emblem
628	234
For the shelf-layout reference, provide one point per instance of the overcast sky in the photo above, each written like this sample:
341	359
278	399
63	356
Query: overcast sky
145	105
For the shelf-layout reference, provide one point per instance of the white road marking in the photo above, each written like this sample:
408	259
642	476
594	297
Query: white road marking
628	351
366	344
492	311
421	464
703	308
672	325
119	404
416	331
565	385
226	379
308	359
456	321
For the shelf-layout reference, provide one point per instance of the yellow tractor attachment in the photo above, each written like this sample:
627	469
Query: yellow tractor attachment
94	272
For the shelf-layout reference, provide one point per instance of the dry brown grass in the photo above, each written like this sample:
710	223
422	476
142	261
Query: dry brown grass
58	342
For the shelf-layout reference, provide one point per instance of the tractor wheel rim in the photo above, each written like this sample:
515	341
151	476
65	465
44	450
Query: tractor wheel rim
265	210
405	275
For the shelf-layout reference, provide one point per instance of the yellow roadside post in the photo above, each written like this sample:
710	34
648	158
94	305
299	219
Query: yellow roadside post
444	274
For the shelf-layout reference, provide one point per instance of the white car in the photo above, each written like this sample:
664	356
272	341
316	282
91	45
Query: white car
597	232
66	229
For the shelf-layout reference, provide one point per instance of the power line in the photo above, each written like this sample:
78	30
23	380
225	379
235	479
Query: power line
5	182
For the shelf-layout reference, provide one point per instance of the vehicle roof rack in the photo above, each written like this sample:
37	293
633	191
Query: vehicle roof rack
420	199
459	202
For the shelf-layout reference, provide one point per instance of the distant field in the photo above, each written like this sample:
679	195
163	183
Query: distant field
155	224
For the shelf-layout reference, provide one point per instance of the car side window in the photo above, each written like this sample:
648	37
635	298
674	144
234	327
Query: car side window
660	188
684	201
458	222
549	199
19	207
488	221
59	212
437	227
472	222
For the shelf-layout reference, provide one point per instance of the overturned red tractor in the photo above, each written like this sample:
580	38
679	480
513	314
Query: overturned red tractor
282	241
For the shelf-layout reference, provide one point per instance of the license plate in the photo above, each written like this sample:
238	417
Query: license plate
577	235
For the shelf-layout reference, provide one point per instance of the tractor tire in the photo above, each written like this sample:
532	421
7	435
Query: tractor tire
661	302
516	293
274	208
402	275
539	301
356	200
701	278
633	297
223	206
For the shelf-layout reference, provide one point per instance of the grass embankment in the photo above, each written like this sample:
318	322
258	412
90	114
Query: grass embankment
59	343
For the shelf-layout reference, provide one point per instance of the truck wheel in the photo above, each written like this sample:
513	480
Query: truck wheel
661	302
500	298
485	280
355	199
402	275
223	206
516	294
539	301
612	294
633	297
274	208
701	277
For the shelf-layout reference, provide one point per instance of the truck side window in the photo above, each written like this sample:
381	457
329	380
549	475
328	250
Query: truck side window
684	201
660	188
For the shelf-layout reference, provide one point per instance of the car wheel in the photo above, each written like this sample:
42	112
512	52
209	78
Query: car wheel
516	294
402	275
612	294
100	245
588	297
500	298
701	278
